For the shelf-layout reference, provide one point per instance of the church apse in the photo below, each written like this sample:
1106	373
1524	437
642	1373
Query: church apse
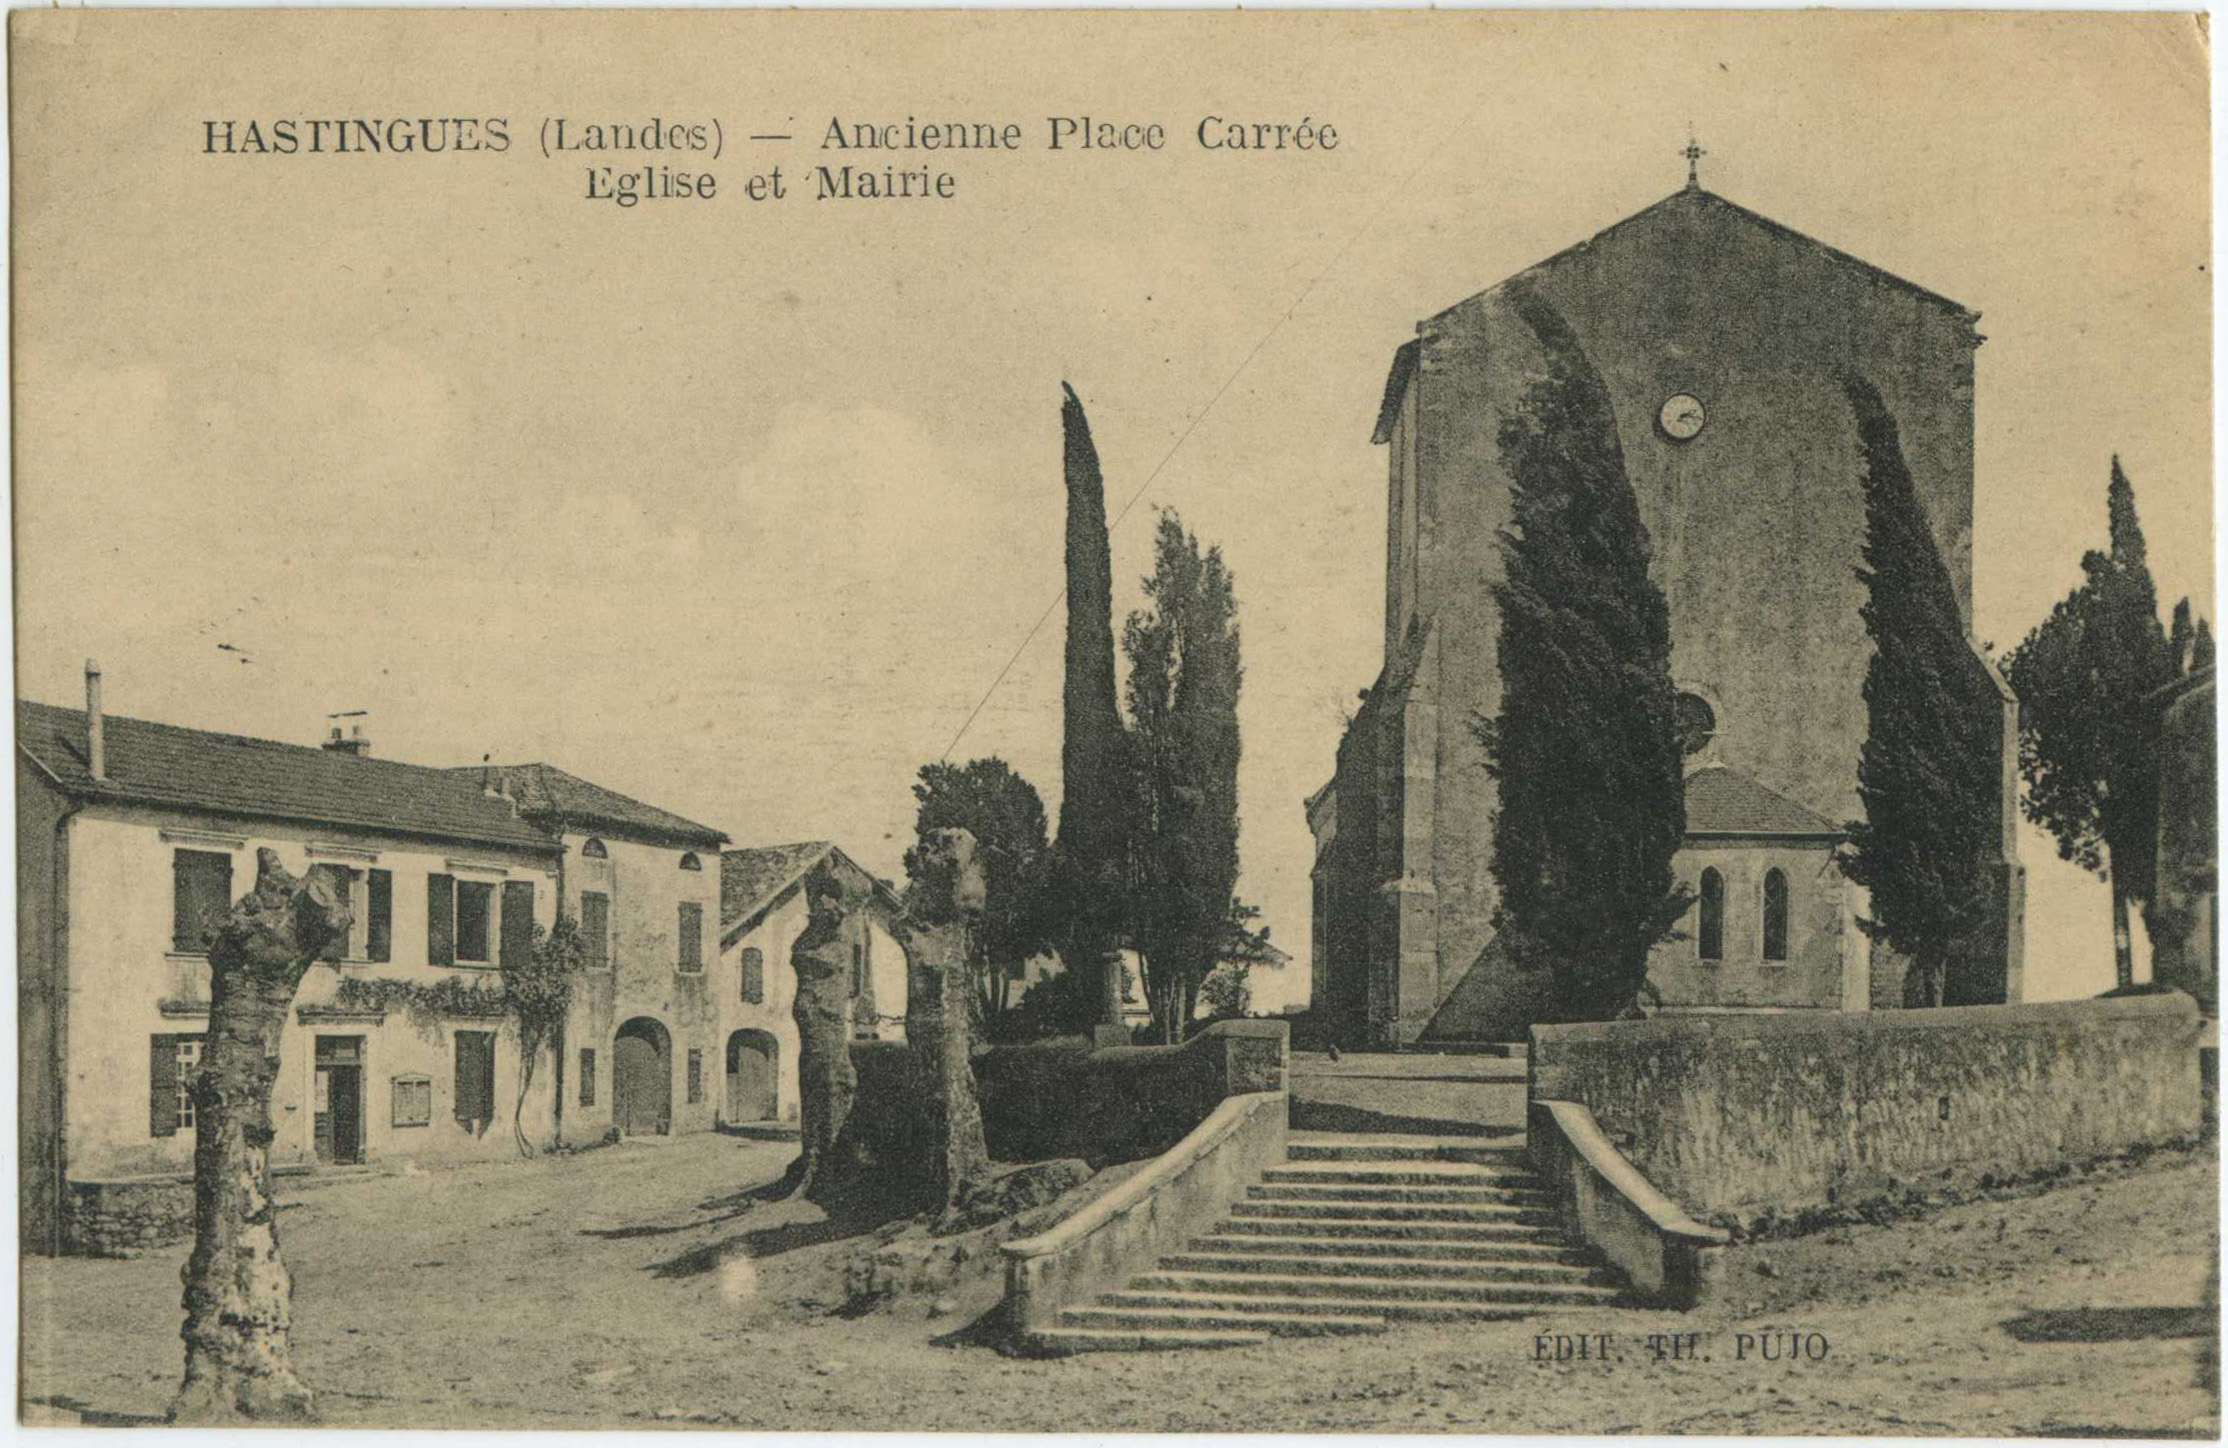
1720	336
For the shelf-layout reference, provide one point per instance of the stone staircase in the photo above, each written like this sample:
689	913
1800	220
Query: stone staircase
1350	1234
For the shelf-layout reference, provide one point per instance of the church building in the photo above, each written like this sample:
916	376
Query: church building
1723	338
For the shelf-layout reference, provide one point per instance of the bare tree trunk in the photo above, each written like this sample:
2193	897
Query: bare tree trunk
526	1060
939	934
238	1301
2123	945
826	1084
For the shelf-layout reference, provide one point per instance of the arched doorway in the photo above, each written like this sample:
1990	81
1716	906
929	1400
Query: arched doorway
752	1090
642	1079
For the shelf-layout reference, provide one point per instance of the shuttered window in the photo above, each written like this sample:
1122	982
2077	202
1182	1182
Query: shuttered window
379	915
754	975
692	936
475	1077
342	946
518	921
201	895
475	919
413	1101
595	928
172	1063
696	1075
440	919
587	1075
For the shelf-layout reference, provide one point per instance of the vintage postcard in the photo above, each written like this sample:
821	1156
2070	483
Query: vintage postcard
1449	722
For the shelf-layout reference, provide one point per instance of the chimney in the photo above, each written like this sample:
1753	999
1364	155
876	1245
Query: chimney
96	744
353	742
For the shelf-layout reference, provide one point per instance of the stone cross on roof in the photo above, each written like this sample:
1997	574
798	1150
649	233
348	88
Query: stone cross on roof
1693	153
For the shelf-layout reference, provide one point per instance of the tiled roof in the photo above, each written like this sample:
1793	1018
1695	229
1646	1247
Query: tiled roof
749	879
163	764
545	791
1723	801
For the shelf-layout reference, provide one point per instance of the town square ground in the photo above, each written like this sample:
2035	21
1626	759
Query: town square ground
646	1285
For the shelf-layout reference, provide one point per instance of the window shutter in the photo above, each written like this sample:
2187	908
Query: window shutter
440	919
379	928
200	893
587	1076
595	923
336	949
518	922
754	975
162	1091
692	935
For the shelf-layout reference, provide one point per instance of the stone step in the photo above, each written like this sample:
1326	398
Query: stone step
1335	1263
1477	1196
1382	1211
1404	1148
1270	1224
1187	1314
1373	1290
1404	1172
1549	1250
1303	1314
1061	1341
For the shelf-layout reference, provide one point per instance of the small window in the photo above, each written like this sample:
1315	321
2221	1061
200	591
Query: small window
173	1062
475	914
690	862
189	1066
754	975
594	850
587	1075
1710	938
379	925
858	968
595	928
692	936
1695	722
696	1075
413	1100
1775	916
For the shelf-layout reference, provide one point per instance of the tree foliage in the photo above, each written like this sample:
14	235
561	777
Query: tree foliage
1005	815
1185	674
1091	853
2088	731
537	996
1585	751
1928	773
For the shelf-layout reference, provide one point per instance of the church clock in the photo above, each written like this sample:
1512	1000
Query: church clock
1682	417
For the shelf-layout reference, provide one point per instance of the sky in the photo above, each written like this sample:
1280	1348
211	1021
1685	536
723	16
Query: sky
741	507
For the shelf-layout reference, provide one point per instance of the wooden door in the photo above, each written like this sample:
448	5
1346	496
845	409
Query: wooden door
641	1082
339	1099
750	1076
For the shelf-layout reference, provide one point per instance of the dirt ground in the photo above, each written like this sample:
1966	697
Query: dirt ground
640	1286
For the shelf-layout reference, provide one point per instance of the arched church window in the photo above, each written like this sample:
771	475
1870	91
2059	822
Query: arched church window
690	862
594	850
1775	915
1694	721
1710	938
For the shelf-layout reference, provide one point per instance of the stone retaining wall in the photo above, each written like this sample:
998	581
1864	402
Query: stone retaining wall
1730	1115
130	1215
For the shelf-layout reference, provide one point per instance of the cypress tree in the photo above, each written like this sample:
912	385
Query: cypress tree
1927	774
1091	851
2087	740
1592	797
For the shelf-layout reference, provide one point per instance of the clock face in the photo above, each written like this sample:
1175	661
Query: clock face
1682	417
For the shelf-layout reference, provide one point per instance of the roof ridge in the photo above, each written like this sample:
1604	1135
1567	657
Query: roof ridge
254	739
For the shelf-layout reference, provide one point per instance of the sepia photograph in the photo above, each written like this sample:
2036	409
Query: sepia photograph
1115	721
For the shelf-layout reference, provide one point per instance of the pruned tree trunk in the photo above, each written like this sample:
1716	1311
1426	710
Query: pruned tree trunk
238	1301
939	939
2123	946
826	1083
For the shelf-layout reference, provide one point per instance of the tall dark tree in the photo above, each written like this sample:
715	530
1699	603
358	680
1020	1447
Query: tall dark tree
1585	749
1928	774
1185	674
1090	857
2088	735
1005	816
